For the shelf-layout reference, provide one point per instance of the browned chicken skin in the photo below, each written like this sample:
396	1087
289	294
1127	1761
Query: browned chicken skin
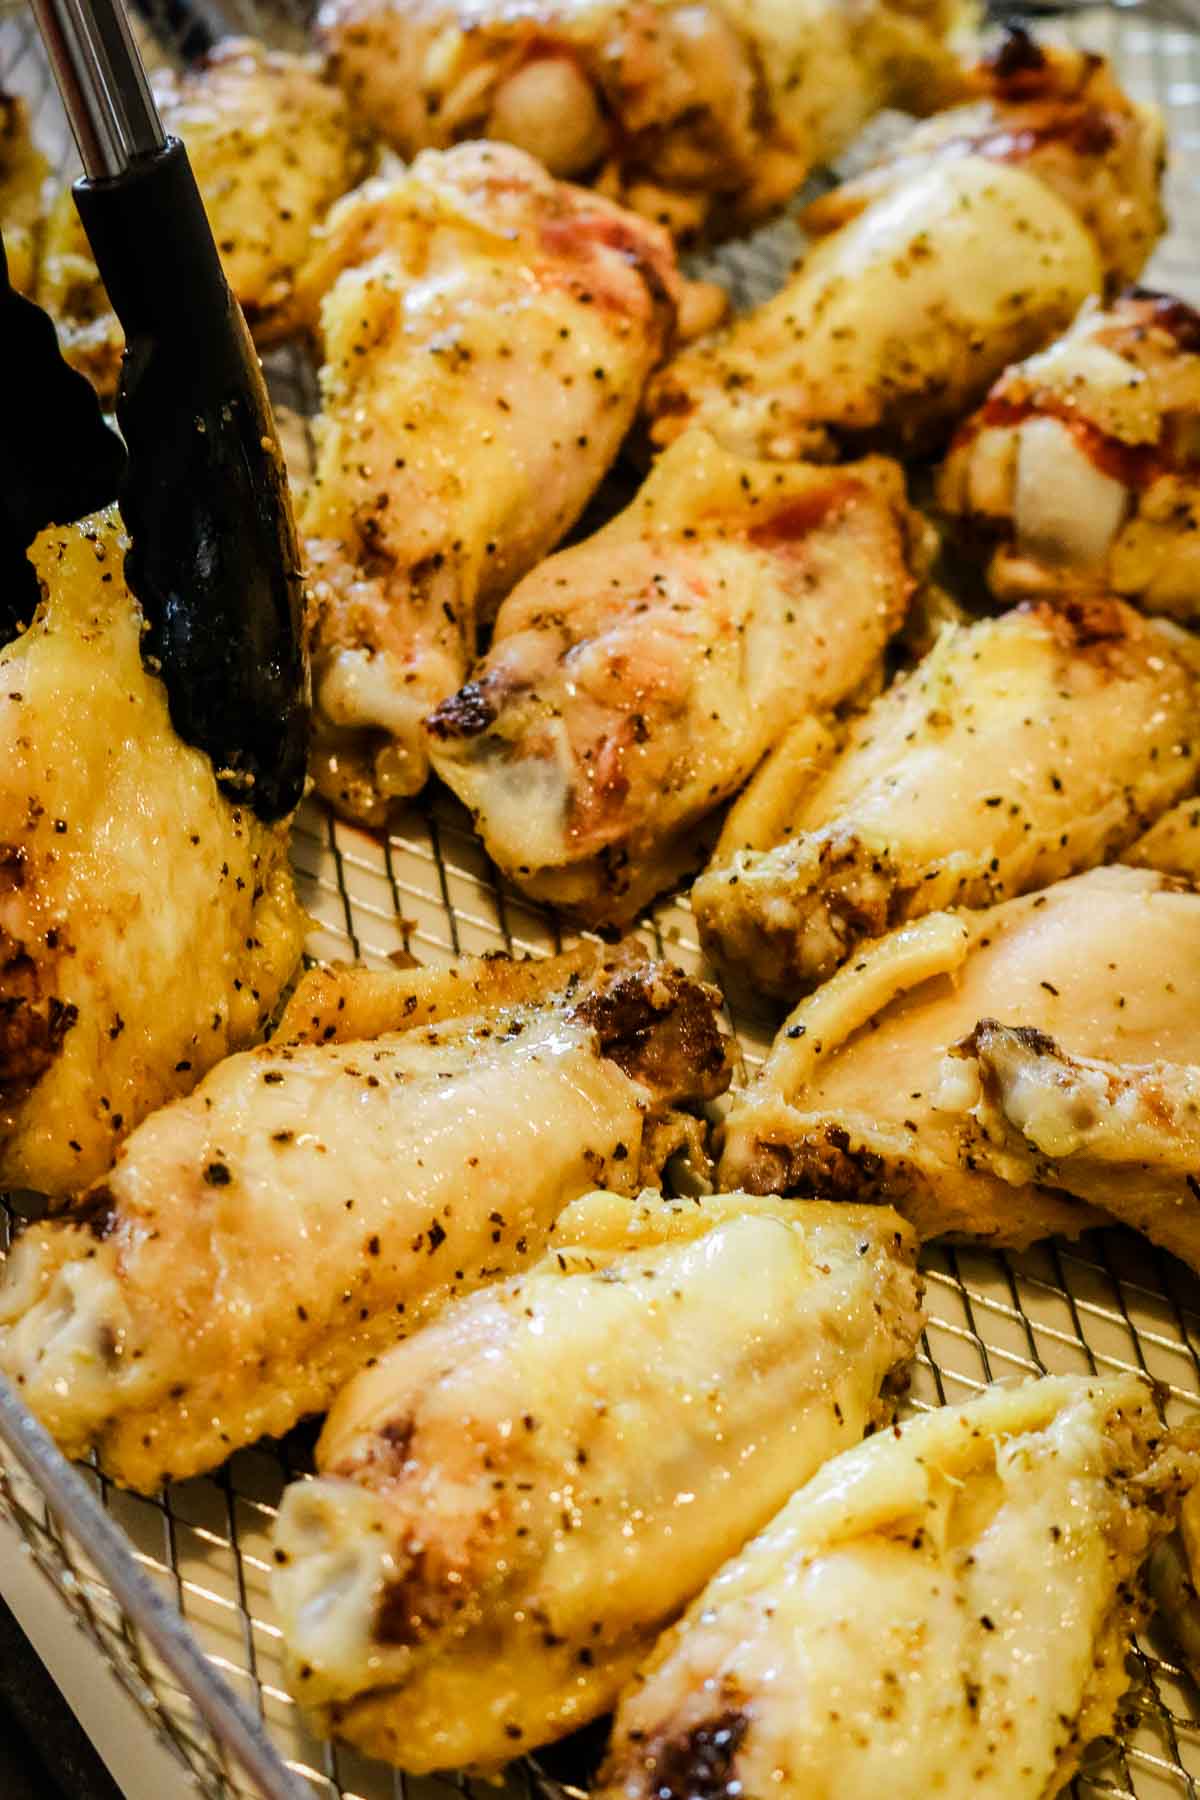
487	334
702	114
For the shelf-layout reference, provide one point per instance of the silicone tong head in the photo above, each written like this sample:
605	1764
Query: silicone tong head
204	496
213	557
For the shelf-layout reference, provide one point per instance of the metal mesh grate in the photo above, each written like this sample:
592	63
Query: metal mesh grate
1112	1303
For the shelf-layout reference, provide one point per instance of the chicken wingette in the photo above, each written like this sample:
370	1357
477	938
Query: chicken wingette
698	113
865	1093
514	1503
1124	1136
487	334
256	1243
272	146
147	924
945	1609
23	174
1081	471
1019	750
892	327
635	680
1056	112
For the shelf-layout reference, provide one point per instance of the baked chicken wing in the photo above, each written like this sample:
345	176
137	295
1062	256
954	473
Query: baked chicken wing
147	924
23	173
1021	749
1056	112
257	1243
1081	471
636	679
945	1609
865	1093
892	327
514	1502
272	147
487	332
1124	1136
695	112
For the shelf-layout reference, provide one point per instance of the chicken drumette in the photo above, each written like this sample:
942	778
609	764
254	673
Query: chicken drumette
636	679
698	113
147	923
1021	749
487	333
1081	471
514	1502
401	1139
943	1610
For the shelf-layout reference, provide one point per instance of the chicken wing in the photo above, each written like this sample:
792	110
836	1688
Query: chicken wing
487	331
945	1609
863	1095
1081	471
147	925
1124	1136
892	327
272	147
695	112
636	679
23	174
1021	749
1172	844
515	1502
257	1243
1056	112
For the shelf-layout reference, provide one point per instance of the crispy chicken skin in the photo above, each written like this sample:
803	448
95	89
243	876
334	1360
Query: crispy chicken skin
1081	470
272	146
698	113
487	334
1124	1136
147	925
1172	1575
1021	749
257	1243
864	1094
892	327
514	1503
636	679
945	1609
1058	113
23	173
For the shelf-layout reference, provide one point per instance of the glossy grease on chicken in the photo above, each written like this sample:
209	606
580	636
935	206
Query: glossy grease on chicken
944	1609
892	327
697	113
487	334
1081	470
272	147
147	924
864	1093
1020	750
513	1503
636	679
258	1242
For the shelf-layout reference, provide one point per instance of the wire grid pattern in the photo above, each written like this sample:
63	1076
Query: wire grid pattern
1110	1303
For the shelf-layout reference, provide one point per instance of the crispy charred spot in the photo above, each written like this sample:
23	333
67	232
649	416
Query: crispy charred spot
823	1166
661	1028
32	1024
97	1212
12	868
1172	314
699	1765
466	714
1017	56
1028	1037
407	1612
1086	622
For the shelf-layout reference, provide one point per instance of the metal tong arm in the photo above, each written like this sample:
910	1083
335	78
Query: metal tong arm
102	81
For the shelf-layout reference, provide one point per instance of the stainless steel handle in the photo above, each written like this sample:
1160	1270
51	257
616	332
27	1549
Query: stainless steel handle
103	83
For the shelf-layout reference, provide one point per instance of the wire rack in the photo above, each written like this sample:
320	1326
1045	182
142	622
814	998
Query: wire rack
173	1591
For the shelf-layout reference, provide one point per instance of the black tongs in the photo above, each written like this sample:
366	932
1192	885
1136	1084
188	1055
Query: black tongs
213	558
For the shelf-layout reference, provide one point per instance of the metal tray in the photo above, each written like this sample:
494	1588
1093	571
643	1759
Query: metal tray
172	1591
